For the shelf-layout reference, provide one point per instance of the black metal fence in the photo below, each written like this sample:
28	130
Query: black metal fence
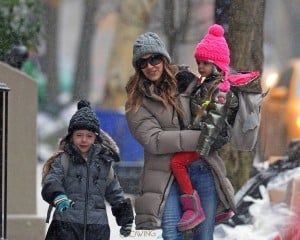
3	158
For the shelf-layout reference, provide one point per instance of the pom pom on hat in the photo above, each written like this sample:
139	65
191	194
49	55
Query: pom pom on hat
216	30
83	103
213	48
84	119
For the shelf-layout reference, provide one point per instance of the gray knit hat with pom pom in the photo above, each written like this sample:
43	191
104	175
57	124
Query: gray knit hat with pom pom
84	119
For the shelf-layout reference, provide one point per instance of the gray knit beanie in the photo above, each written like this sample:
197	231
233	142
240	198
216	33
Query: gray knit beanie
84	119
146	43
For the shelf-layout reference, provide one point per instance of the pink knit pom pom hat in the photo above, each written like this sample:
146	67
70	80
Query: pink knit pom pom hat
213	48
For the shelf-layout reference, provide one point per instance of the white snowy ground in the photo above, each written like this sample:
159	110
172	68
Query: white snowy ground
42	208
267	218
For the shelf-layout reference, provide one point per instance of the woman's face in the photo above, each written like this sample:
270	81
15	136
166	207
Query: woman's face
152	66
205	68
83	140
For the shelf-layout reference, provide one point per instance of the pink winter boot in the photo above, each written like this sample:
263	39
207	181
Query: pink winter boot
192	211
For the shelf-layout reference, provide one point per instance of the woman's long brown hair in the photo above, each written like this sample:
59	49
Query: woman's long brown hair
167	85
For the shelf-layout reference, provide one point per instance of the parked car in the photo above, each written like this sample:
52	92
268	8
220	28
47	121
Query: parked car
281	111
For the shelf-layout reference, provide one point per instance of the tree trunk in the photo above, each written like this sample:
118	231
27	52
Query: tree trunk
246	22
50	60
222	8
175	23
245	39
133	20
82	81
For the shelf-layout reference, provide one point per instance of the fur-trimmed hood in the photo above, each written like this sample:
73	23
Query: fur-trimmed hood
106	145
109	144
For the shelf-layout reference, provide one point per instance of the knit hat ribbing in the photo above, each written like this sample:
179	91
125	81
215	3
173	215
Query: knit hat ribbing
84	119
213	48
147	43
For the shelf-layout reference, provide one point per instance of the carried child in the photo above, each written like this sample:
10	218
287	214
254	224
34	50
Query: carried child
214	106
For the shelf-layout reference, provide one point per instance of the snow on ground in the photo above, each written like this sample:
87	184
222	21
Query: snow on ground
42	208
264	227
266	218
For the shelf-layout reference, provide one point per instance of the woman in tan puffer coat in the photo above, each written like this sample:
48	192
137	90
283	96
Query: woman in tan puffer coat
158	115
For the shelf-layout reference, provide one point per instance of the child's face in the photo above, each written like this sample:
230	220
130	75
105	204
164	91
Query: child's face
205	68
83	140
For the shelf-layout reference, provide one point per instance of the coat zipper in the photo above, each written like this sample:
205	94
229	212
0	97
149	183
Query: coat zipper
86	200
164	194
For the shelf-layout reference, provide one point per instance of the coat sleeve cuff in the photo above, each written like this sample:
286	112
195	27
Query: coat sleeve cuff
189	139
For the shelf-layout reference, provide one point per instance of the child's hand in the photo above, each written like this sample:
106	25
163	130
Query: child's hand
62	202
126	230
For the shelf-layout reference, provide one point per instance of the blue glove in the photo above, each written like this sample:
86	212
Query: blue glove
62	202
126	230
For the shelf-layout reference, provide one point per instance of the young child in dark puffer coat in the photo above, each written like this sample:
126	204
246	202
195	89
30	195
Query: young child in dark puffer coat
79	191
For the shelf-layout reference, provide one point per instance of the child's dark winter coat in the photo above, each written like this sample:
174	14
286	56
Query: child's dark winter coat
88	185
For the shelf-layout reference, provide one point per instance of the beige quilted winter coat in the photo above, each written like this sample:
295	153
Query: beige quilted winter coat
157	130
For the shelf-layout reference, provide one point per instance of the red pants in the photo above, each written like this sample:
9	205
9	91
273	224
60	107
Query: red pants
178	166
